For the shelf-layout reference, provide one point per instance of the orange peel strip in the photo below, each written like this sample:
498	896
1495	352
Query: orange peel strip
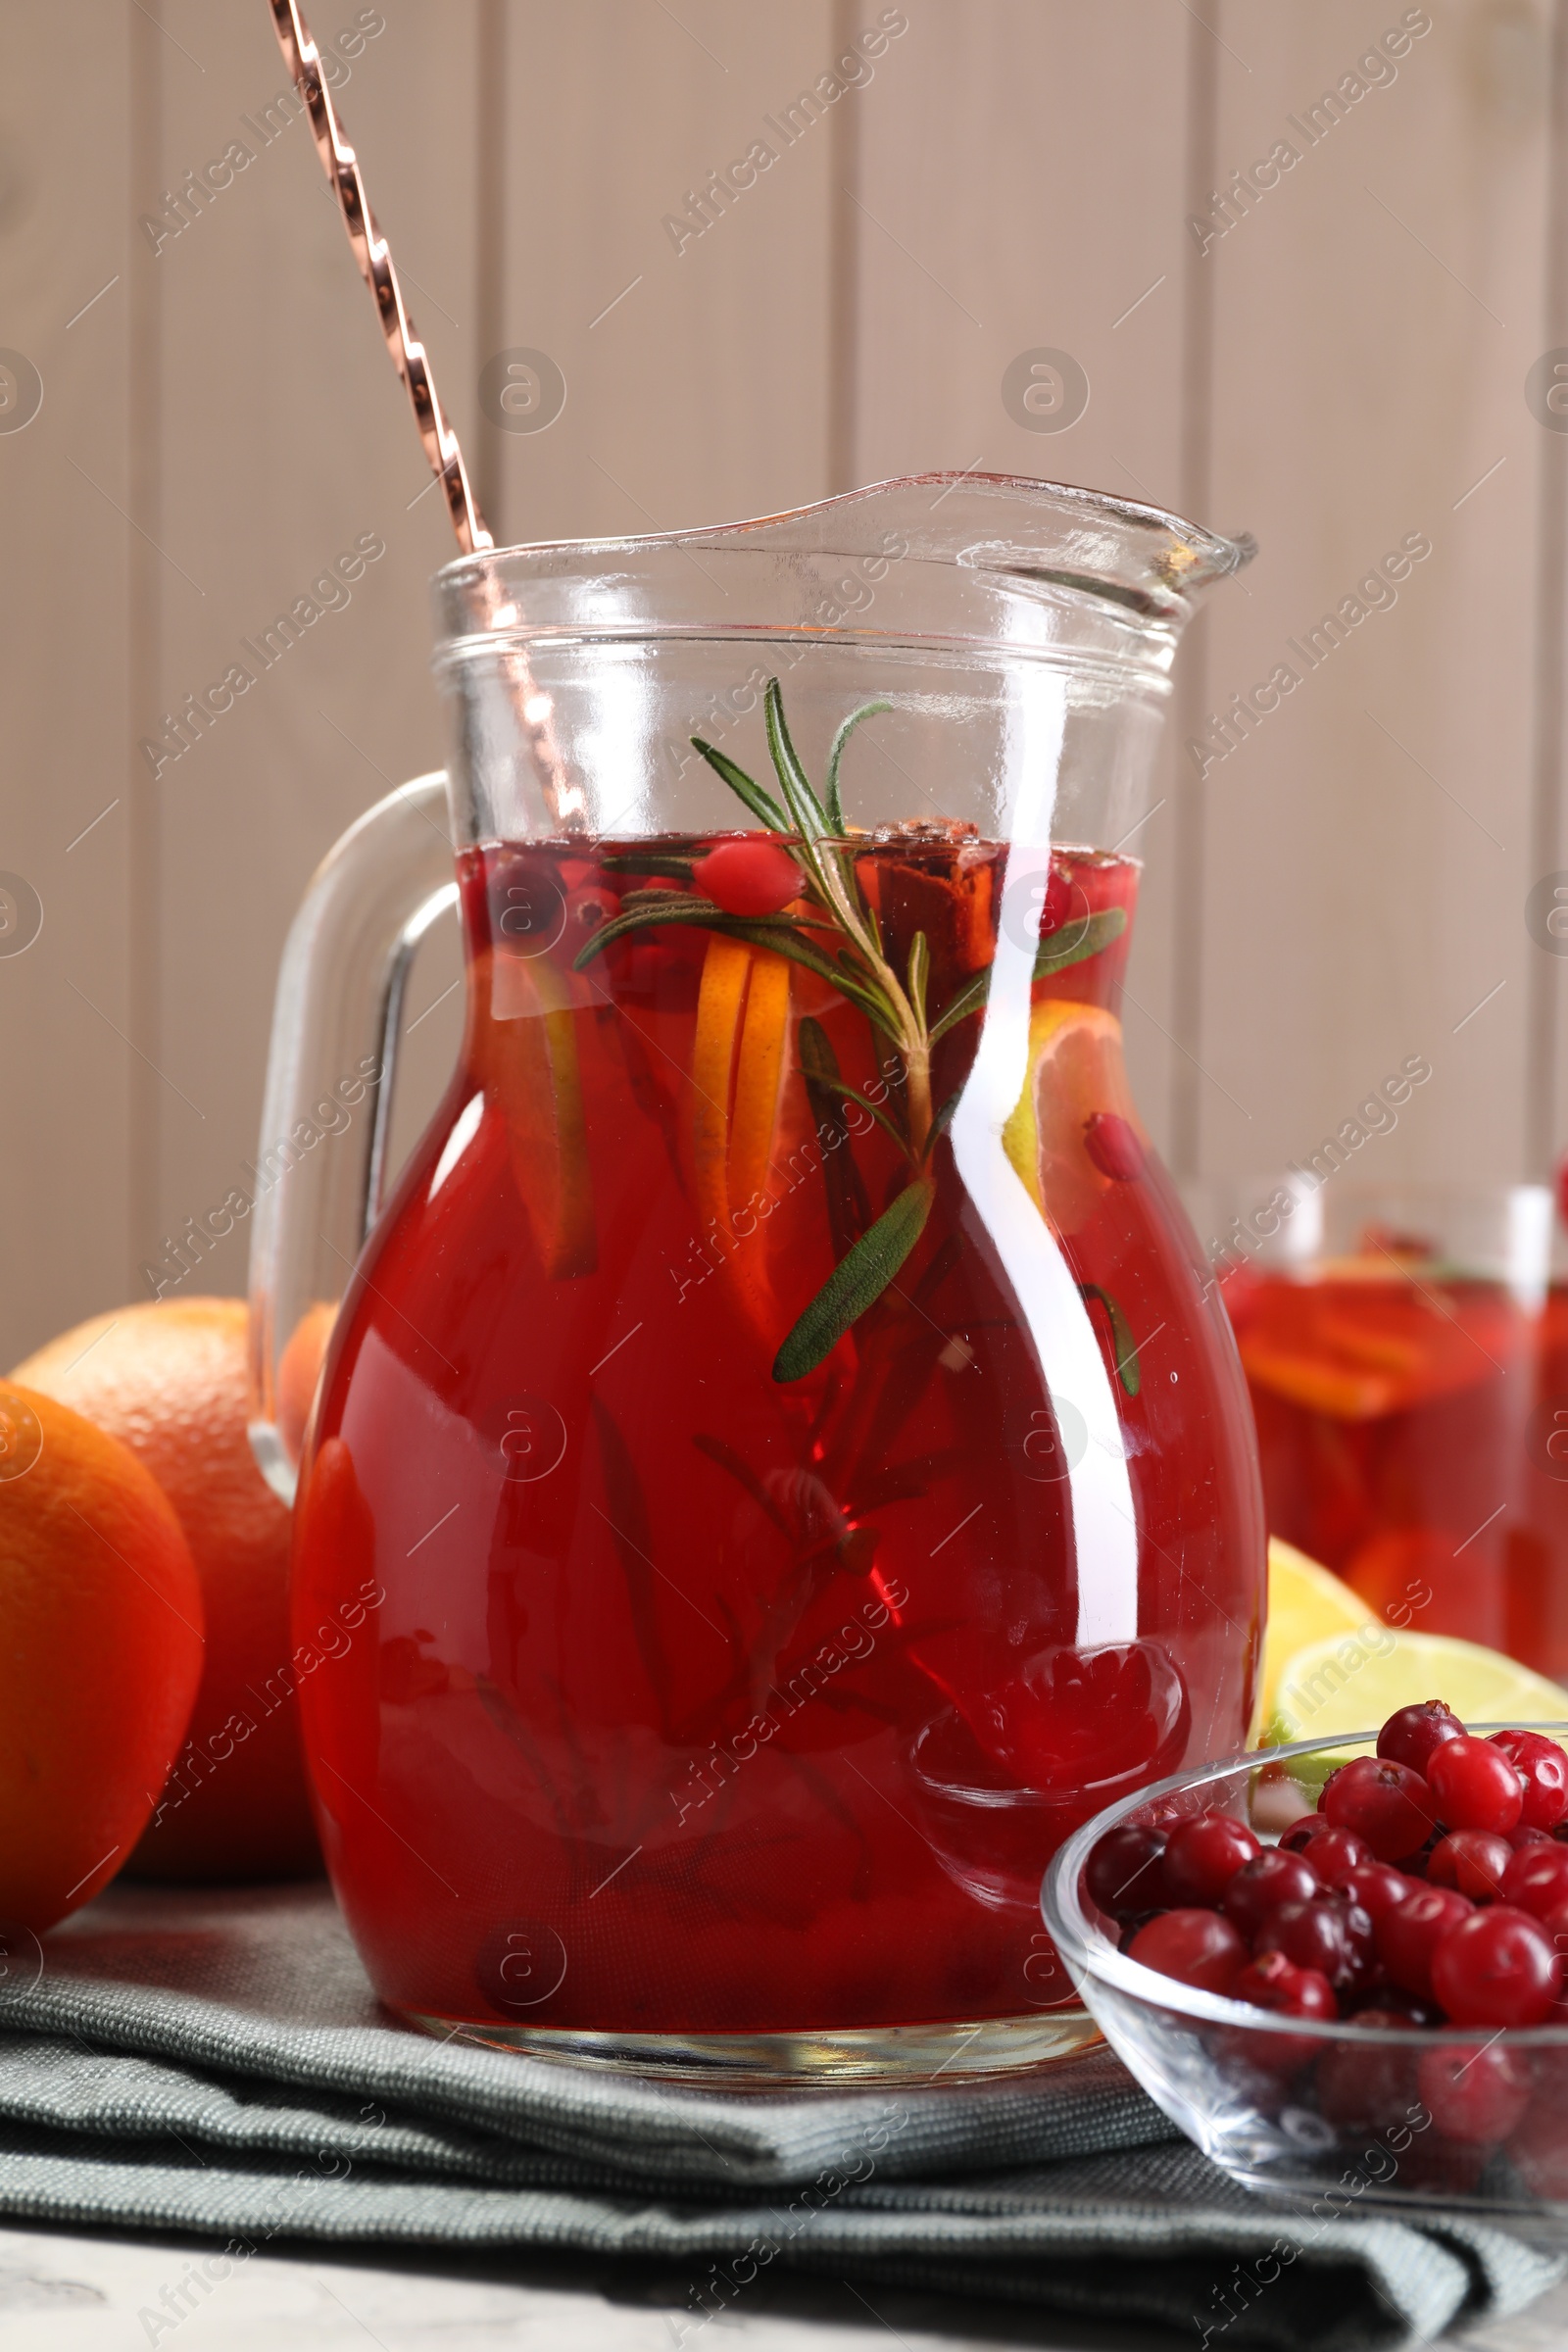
757	1080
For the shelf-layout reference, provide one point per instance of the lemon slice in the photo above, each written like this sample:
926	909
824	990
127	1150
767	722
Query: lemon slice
1075	1069
1306	1603
1353	1680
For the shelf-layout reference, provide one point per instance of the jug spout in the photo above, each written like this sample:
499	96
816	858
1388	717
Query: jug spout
1017	528
966	599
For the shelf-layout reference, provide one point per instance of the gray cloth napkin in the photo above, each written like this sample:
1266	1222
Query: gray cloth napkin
217	2063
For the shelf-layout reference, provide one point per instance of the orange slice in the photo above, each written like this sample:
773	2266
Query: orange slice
743	1008
530	1061
1075	1069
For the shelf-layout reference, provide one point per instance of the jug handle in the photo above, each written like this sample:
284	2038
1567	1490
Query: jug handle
326	1115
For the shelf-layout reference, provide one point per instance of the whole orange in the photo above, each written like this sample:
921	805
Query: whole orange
100	1654
169	1377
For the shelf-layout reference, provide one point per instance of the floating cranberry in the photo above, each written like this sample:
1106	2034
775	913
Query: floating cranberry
1410	1935
1496	1968
1123	1876
1477	2092
1260	1886
1544	1771
1537	1879
749	877
1473	1860
1385	1803
1196	1947
1205	1855
1114	1146
1329	1856
1474	1786
1057	903
1411	1735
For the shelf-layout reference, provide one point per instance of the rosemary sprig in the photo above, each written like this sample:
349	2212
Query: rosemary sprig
834	932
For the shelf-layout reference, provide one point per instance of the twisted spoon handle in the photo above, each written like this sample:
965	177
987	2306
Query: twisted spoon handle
370	250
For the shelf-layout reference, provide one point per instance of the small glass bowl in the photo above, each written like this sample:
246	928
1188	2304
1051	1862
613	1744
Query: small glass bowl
1328	2117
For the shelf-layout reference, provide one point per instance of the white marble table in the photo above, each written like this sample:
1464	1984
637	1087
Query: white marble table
62	2291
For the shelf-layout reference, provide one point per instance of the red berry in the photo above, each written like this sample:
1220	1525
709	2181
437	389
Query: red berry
1545	1768
1478	2092
1408	1935
1301	1832
1328	1933
1277	1984
1260	1886
1365	2089
1523	1837
1411	1735
1205	1855
1114	1145
1331	1855
1474	1786
1496	1968
1272	1982
1386	1803
1123	1876
1537	1878
1473	1860
1057	903
1196	1947
1377	1887
749	877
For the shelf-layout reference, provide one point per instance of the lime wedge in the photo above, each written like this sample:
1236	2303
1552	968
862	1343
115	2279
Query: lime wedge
1355	1681
1306	1603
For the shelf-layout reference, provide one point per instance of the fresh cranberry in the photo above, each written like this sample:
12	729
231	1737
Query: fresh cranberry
1301	1832
1545	1770
1328	1933
1526	1836
1496	1968
1260	1886
1537	1878
1376	1885
1384	1802
1057	903
749	877
588	910
1473	1861
1364	2087
1272	1982
1385	1996
1411	1735
1477	2092
1196	1947
1409	1934
1123	1876
1276	1984
1474	1786
1331	1855
1114	1146
1205	1855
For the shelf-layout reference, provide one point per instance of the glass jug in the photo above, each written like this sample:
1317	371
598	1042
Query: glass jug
779	1464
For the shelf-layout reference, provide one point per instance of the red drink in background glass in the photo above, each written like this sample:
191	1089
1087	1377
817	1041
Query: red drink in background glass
767	1709
1412	1423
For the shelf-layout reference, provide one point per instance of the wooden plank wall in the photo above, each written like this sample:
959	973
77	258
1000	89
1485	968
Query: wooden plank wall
1342	370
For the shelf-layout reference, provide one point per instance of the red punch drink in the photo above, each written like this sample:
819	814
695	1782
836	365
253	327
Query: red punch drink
1412	1420
769	1707
780	1463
